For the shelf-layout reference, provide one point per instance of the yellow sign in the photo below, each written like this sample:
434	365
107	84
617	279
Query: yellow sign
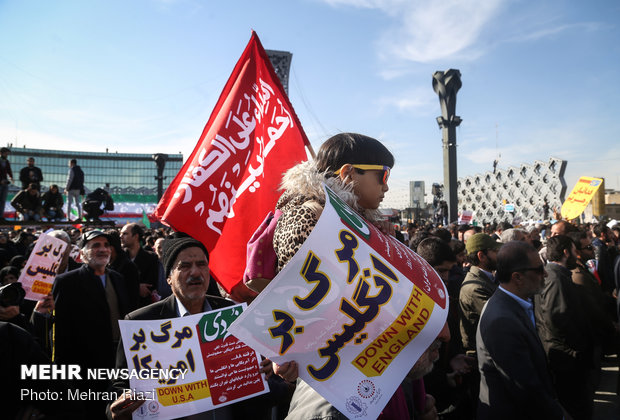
373	360
179	394
41	287
580	196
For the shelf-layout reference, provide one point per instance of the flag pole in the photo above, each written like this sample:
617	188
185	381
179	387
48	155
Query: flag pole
249	178
311	150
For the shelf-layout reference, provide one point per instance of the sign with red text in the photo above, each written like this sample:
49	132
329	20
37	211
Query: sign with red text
231	180
354	308
202	365
37	276
580	196
466	217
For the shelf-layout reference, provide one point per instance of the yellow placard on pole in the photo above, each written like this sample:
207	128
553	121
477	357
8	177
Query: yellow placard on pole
580	196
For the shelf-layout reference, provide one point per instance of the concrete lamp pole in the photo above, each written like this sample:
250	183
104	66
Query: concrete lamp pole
446	85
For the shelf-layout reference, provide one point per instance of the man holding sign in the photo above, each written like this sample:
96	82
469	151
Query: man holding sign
186	264
89	301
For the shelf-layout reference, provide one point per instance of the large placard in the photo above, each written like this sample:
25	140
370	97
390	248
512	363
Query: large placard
354	307
580	196
203	365
37	276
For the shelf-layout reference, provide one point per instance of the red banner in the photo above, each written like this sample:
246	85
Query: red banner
231	179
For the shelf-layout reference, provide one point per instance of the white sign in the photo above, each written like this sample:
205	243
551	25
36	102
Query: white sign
37	276
354	308
466	217
206	367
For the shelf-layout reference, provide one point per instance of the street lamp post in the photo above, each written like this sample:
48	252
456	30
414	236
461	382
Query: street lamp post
160	160
446	85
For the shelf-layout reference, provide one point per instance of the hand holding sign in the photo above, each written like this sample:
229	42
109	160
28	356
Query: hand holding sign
217	369
39	273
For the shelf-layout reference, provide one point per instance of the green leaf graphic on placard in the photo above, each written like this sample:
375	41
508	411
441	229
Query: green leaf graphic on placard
354	220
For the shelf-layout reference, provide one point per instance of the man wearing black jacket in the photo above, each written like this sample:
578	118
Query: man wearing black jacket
30	175
564	329
131	235
74	188
89	302
515	382
186	265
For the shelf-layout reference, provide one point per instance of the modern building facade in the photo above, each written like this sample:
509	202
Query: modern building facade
416	194
130	178
515	192
124	174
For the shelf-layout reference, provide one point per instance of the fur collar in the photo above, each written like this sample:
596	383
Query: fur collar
305	180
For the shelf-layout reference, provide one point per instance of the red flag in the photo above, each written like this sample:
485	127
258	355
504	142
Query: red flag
231	179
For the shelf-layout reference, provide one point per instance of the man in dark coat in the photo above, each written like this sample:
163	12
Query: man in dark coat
131	235
6	177
52	204
515	381
31	175
186	265
96	203
89	302
598	306
564	329
478	286
27	204
74	187
604	258
120	262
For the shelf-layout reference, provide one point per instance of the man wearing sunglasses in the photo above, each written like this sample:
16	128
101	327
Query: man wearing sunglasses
585	252
514	377
564	329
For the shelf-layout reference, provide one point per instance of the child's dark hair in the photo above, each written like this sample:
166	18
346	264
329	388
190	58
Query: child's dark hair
354	149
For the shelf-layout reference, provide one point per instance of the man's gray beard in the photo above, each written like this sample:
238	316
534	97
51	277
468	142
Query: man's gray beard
420	371
93	262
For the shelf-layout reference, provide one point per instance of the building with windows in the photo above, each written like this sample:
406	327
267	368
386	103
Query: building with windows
131	178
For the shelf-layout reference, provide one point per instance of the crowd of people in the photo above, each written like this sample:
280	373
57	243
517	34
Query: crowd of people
552	308
533	310
35	202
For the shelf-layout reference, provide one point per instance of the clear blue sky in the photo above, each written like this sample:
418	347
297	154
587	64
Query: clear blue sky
540	79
